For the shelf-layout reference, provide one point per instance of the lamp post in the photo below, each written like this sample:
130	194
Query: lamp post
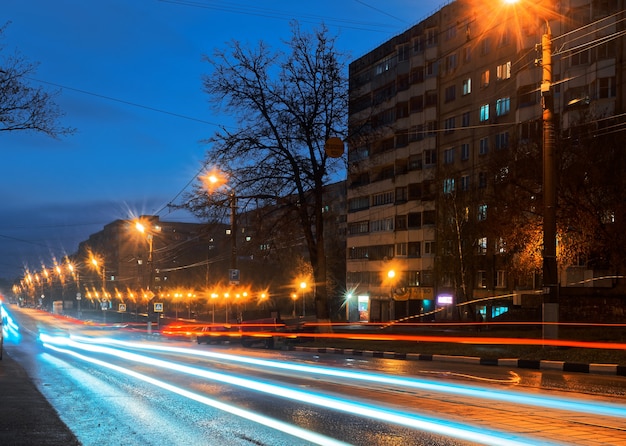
150	237
76	275
212	181
303	287
550	274
103	301
226	296
391	275
213	297
550	288
294	297
94	262
233	230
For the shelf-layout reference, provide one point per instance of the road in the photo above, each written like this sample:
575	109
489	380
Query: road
115	387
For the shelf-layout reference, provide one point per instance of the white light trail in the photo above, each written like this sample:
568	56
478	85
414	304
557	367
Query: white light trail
387	415
287	428
595	407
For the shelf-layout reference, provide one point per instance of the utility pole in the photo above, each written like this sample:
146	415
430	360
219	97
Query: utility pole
550	305
233	230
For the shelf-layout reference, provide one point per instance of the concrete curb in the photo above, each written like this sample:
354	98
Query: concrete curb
599	369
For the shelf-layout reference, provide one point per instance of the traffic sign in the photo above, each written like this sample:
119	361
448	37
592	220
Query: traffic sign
122	307
158	307
233	275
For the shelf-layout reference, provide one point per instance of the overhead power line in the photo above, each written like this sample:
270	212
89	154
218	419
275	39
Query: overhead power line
122	101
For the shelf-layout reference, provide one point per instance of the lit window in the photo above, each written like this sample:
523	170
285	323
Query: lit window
467	86
484	78
482	245
482	212
503	106
484	113
503	71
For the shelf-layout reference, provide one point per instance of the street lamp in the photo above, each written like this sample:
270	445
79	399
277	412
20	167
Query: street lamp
294	297
149	232
94	262
213	297
303	287
550	304
226	296
76	275
550	274
103	302
215	181
391	275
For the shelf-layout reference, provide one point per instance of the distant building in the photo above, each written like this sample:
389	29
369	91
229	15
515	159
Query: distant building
178	258
172	257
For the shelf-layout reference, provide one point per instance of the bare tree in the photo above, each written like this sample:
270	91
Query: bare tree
591	212
22	106
287	106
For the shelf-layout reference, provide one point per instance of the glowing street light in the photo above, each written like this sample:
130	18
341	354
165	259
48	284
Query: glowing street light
103	300
149	233
549	273
294	297
214	296
303	287
74	272
212	181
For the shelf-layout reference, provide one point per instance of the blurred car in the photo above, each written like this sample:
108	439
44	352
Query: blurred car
214	334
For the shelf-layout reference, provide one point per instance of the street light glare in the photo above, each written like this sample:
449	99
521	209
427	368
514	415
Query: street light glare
141	228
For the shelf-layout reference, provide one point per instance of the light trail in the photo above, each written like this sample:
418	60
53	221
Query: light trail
173	330
596	408
287	428
10	328
387	415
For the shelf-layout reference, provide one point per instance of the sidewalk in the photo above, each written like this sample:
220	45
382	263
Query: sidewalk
26	417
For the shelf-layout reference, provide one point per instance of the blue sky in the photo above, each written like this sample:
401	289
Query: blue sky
129	75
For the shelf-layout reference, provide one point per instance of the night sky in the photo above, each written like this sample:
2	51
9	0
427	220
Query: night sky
129	76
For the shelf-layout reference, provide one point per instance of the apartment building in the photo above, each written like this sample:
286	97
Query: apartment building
166	255
432	112
197	257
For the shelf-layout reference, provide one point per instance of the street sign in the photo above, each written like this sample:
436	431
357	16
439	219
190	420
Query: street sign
122	307
233	275
78	296
158	307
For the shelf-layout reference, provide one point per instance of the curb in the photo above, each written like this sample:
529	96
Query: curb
600	369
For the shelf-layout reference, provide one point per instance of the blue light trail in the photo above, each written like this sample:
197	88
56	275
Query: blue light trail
387	415
597	408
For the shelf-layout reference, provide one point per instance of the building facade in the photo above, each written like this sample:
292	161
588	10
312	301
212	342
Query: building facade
438	116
